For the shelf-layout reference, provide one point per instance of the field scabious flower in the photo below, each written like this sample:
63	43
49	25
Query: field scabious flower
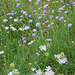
37	24
49	39
69	25
5	20
1	52
30	21
26	27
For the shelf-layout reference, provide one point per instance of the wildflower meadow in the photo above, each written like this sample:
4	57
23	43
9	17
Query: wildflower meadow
37	37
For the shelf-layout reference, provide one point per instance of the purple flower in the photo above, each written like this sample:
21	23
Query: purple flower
34	34
60	9
52	11
52	23
20	19
16	0
40	7
10	17
5	20
48	25
39	17
69	25
61	18
61	0
27	27
30	21
22	11
48	0
57	17
17	4
29	16
34	30
37	24
12	11
51	16
30	0
37	2
66	12
43	14
1	52
45	6
26	14
44	11
73	3
23	38
46	21
37	54
34	10
49	39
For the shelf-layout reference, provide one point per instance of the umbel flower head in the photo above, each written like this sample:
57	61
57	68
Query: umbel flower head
61	58
12	65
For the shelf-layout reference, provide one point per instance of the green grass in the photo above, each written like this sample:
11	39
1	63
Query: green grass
21	54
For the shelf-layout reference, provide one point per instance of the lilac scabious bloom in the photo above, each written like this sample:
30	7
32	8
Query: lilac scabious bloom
12	11
26	14
34	30
61	8
20	19
34	10
29	16
69	25
51	16
52	23
21	16
37	54
1	52
49	39
37	2
37	24
40	7
61	18
52	11
39	17
10	17
73	3
16	0
57	17
15	13
61	0
23	38
66	12
22	11
45	6
34	34
48	25
48	0
17	4
44	11
27	27
30	0
5	20
71	0
43	14
9	14
46	21
30	21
